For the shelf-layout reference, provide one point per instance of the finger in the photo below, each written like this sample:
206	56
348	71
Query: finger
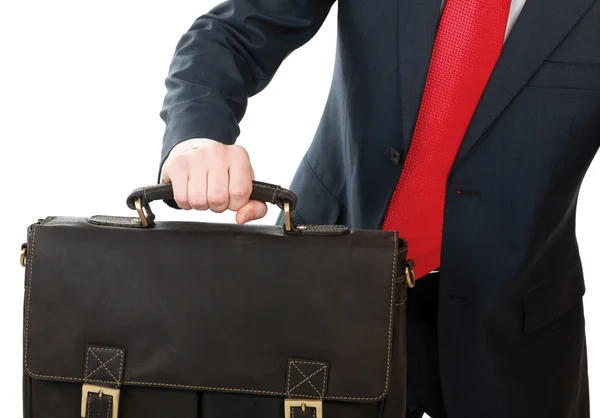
240	182
252	211
177	175
197	185
218	186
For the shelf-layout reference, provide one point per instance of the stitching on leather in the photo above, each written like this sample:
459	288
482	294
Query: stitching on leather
288	390
306	379
105	368
268	186
87	413
109	218
324	381
392	296
104	364
31	261
121	367
288	381
85	371
266	392
250	391
120	351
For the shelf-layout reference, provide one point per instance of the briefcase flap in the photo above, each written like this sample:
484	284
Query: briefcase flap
214	307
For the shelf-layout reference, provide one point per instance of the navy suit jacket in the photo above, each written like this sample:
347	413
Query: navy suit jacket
511	331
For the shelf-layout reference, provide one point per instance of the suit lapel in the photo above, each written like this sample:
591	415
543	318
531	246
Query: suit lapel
540	28
418	21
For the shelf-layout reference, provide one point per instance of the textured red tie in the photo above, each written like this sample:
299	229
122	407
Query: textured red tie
467	45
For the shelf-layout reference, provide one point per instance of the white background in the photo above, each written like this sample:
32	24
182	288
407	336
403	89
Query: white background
81	85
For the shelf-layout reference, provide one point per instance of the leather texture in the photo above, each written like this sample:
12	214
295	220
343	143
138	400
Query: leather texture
211	313
263	192
306	379
99	407
120	221
104	366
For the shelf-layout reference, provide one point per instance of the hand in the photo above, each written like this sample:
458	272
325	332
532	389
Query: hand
206	174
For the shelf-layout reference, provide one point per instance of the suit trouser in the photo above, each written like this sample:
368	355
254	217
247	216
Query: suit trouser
424	393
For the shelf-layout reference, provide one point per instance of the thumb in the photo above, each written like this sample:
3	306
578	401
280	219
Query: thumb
253	210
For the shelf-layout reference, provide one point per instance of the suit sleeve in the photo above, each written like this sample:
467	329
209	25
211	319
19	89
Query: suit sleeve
227	56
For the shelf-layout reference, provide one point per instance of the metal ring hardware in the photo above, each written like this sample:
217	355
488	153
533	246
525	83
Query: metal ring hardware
23	256
288	215
409	273
140	210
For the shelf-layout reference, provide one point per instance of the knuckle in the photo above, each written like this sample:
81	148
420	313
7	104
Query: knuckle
197	200
241	192
180	197
218	199
216	150
176	161
238	151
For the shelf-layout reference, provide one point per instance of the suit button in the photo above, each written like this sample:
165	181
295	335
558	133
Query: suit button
396	156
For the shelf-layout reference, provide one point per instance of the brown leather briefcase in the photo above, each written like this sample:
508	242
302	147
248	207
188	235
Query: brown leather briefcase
126	317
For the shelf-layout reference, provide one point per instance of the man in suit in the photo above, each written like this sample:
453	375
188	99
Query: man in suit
467	126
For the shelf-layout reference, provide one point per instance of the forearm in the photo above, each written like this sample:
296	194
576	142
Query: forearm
227	56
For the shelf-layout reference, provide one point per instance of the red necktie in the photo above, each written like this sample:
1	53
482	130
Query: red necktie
467	45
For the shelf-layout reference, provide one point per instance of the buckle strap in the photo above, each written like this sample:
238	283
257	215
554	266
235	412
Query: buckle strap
103	366
99	402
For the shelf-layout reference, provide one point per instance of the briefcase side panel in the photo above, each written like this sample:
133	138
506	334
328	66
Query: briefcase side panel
395	403
213	307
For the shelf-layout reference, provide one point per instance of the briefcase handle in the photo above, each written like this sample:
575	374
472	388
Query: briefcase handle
140	198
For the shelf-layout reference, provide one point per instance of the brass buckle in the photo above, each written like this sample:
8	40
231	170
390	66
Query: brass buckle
303	403
409	273
101	391
140	210
288	215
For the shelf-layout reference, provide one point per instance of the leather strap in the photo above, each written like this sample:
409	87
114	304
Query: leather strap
263	192
102	377
99	406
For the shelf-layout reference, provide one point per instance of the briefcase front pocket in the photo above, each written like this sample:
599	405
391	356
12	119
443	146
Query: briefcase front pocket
181	319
